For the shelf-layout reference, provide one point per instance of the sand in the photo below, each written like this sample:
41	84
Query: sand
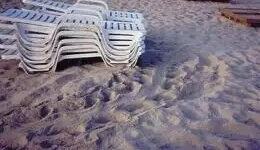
196	87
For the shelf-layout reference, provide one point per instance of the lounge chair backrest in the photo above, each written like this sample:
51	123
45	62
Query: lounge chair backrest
94	2
28	16
83	11
96	7
80	19
43	19
51	4
61	6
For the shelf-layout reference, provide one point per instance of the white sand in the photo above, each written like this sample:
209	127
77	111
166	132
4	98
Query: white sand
196	87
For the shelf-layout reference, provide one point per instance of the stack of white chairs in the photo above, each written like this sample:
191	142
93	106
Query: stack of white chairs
57	31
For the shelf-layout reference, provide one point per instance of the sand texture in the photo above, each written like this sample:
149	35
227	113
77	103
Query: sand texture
196	87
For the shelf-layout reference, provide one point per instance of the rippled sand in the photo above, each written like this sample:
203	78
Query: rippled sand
196	87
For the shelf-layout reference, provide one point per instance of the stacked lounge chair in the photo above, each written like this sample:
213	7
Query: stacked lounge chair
45	37
8	48
93	6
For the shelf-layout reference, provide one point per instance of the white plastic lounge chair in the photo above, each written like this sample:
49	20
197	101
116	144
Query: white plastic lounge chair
93	41
117	34
105	33
8	48
97	6
51	20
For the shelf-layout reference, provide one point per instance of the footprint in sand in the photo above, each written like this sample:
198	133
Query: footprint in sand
122	83
65	79
202	76
70	106
189	113
46	144
114	80
50	130
124	88
97	122
36	94
191	91
106	137
106	95
90	102
3	97
86	87
44	111
131	108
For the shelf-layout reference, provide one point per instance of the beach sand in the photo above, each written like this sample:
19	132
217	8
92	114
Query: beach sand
196	87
